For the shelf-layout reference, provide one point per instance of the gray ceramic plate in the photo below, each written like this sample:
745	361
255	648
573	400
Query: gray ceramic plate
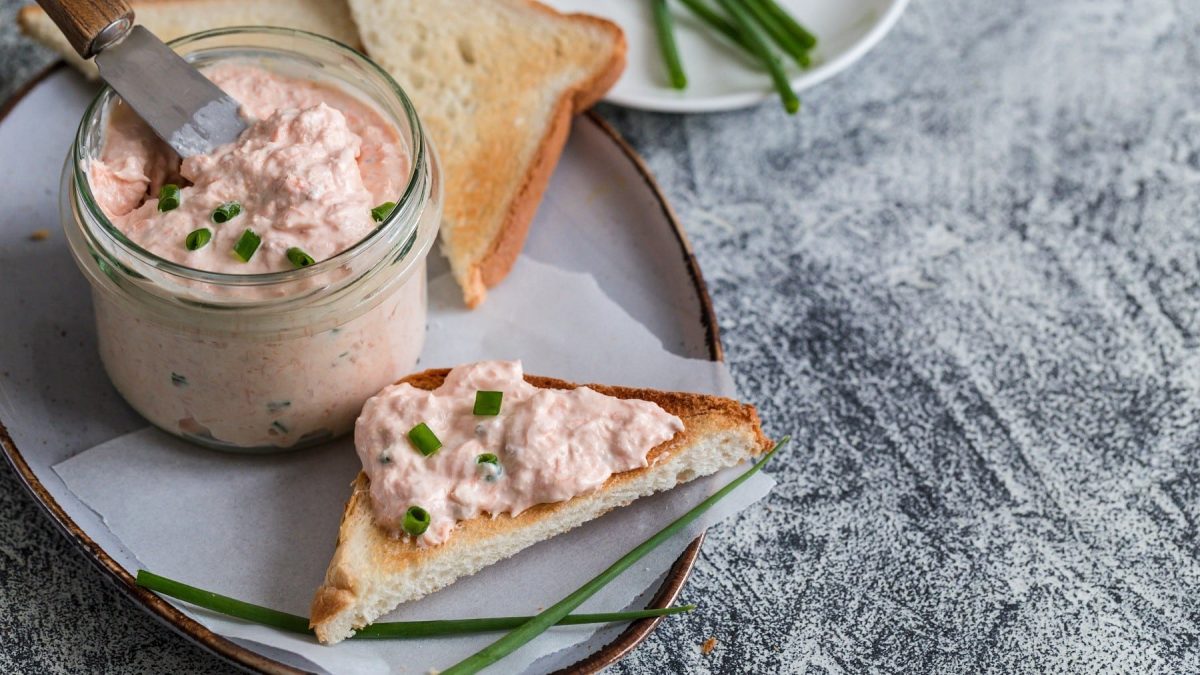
625	235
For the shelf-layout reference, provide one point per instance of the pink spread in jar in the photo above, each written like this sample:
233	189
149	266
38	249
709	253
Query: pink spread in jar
550	445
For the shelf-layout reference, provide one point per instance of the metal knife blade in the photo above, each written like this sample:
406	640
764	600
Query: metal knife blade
183	107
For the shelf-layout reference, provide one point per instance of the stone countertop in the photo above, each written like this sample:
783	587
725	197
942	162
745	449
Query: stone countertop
967	279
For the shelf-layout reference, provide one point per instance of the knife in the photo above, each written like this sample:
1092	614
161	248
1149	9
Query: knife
182	106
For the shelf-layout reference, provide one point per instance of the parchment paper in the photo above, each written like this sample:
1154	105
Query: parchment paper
262	528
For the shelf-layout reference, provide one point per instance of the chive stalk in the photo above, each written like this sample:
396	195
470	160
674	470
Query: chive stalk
805	37
381	212
745	25
416	521
665	27
424	440
777	32
538	624
398	629
718	23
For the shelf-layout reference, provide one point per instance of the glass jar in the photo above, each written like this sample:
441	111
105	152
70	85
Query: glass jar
261	362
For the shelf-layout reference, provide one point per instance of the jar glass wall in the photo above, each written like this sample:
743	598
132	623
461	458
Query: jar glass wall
261	362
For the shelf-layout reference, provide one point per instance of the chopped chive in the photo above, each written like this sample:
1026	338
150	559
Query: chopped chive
278	426
276	406
246	245
423	439
168	198
226	212
178	380
488	402
381	212
488	467
745	25
416	521
487	458
538	625
197	239
665	28
392	629
299	258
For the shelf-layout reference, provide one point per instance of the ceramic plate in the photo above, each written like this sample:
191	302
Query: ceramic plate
632	246
720	76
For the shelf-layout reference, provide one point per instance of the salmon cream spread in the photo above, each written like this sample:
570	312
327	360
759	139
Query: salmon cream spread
548	445
306	174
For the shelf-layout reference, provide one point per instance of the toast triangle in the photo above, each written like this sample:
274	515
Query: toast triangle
496	83
372	572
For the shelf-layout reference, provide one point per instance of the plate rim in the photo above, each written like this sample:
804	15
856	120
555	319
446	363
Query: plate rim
745	99
223	647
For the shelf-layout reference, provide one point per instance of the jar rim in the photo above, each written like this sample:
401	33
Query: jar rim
412	184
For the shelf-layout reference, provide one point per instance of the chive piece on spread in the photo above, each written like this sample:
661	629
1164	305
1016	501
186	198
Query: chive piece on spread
488	402
299	258
487	458
382	211
178	380
197	239
416	521
424	440
168	197
226	212
246	245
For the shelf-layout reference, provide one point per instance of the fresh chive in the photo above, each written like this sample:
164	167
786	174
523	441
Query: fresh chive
299	258
379	213
488	467
168	198
276	406
397	629
806	39
487	458
665	27
226	212
487	403
178	380
423	439
279	426
246	245
197	239
777	32
416	521
745	25
719	23
538	624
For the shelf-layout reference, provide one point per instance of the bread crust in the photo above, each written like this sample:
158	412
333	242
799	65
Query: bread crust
491	269
363	542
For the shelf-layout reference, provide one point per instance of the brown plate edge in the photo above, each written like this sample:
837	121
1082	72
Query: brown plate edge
239	655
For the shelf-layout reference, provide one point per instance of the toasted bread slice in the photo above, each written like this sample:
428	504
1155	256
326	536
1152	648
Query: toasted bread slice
372	572
169	19
495	83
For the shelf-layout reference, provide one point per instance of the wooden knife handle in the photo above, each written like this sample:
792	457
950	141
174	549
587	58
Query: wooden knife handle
90	25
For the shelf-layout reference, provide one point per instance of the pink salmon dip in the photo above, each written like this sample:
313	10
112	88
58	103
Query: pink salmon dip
307	172
552	445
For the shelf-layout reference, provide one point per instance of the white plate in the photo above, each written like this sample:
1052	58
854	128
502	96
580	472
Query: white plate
720	76
632	246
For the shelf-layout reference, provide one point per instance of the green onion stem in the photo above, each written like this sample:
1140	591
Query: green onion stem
398	629
777	32
666	43
805	37
538	624
719	24
745	25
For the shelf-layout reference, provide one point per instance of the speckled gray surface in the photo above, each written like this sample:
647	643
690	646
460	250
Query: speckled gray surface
967	278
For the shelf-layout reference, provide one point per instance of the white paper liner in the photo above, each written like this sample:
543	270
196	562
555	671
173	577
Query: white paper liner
262	528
